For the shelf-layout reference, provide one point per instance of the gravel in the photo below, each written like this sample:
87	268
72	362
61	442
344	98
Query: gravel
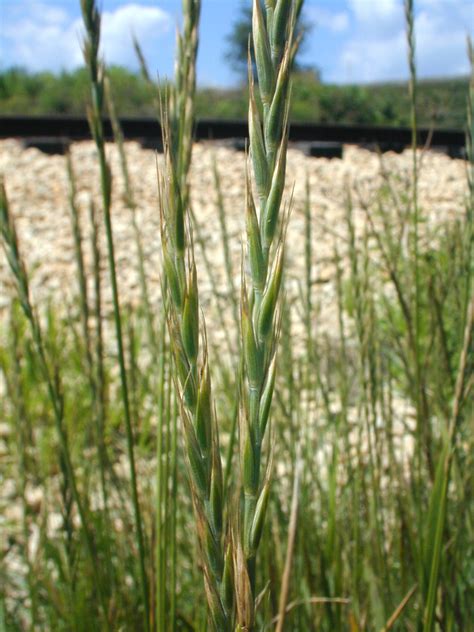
37	188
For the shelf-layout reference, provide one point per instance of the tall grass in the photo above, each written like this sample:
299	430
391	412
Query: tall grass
296	480
91	44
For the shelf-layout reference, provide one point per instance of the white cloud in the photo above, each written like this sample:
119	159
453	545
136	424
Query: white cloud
47	37
371	60
376	49
439	53
147	23
43	37
323	18
370	12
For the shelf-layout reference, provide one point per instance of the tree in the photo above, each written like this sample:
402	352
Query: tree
238	38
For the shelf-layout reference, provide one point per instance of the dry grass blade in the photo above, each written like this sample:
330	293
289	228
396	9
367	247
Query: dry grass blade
316	601
400	608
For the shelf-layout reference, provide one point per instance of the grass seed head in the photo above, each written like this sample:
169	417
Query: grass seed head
217	613
259	518
228	579
257	146
251	351
270	298
256	260
190	322
267	395
280	27
263	57
243	591
279	104
272	208
249	465
203	415
213	551
198	464
172	276
216	499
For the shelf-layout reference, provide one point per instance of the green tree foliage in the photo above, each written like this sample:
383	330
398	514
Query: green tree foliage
68	92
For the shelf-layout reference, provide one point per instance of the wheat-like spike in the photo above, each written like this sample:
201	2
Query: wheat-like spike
273	45
181	106
201	441
187	335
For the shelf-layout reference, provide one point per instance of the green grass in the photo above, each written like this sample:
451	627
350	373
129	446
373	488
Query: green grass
296	481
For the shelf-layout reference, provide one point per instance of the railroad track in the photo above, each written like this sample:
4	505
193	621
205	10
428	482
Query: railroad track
54	133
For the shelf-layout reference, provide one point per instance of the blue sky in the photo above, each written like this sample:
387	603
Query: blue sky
352	40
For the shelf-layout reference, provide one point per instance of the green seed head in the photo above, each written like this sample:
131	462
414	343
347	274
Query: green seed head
250	473
190	323
262	53
279	27
272	208
251	351
216	502
197	463
184	371
270	298
256	260
259	519
177	212
90	45
267	396
203	416
172	277
257	147
213	552
276	116
228	579
218	616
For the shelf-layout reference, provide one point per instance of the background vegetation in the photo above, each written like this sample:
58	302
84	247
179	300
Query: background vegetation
441	102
